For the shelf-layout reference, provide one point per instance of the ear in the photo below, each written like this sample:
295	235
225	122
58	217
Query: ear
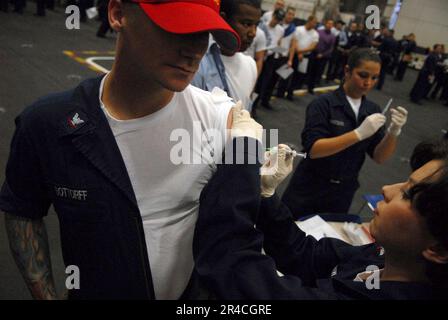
115	12
436	253
346	71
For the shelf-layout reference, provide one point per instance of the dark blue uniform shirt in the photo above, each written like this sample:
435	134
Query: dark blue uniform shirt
64	153
330	116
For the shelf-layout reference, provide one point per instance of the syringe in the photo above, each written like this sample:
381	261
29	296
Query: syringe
292	152
387	106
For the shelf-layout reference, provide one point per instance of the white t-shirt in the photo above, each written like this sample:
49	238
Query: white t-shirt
258	44
285	42
305	37
276	34
267	17
241	76
168	194
355	104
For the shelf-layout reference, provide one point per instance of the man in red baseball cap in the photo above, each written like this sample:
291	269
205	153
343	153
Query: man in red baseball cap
106	156
166	39
191	16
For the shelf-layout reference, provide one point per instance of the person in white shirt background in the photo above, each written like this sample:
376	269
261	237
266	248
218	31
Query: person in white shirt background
307	39
235	73
274	32
280	55
257	49
288	42
267	16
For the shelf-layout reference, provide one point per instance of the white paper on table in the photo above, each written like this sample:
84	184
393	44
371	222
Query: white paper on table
303	65
92	12
318	228
284	71
356	234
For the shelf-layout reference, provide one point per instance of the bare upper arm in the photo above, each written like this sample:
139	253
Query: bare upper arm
230	119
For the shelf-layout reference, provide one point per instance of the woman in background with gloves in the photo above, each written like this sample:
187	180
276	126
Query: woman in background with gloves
340	128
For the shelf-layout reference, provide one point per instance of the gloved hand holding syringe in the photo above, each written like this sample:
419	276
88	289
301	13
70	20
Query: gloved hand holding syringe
277	166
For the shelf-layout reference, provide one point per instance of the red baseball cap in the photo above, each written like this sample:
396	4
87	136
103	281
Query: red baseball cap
191	16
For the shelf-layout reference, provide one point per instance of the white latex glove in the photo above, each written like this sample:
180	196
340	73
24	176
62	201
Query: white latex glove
399	118
243	125
370	126
277	167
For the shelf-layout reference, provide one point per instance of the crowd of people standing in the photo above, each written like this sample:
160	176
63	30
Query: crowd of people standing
319	50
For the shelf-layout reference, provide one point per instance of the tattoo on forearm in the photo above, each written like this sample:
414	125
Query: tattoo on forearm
29	245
